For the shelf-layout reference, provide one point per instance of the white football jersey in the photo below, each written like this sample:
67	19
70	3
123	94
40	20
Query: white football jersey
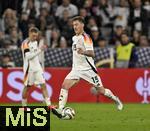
31	51
82	62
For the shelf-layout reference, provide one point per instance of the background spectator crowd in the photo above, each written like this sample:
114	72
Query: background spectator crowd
106	21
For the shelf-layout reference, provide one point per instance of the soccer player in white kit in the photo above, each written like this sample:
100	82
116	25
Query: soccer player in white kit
33	71
83	68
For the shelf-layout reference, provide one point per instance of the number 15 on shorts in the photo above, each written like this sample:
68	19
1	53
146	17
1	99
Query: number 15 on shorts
95	79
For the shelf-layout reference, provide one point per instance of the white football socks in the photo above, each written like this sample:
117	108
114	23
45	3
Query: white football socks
47	101
24	102
63	98
110	95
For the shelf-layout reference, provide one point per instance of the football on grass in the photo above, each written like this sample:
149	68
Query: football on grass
68	113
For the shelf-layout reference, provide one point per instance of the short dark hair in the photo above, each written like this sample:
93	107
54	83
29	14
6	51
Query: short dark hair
119	26
78	18
34	29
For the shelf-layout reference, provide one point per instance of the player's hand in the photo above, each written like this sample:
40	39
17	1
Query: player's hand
80	51
44	47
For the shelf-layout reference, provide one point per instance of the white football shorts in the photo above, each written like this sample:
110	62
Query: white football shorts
88	75
36	78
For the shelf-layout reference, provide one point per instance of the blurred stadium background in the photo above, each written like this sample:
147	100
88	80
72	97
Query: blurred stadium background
120	30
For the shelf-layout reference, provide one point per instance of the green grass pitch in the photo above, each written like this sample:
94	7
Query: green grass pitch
105	117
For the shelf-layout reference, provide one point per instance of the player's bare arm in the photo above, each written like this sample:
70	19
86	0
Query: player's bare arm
89	53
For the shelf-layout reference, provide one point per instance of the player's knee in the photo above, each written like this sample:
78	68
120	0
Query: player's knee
100	89
65	86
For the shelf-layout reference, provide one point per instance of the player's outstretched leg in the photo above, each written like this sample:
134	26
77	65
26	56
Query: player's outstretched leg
107	92
63	97
45	94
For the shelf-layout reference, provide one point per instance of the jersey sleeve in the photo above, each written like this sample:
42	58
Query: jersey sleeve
27	53
31	55
88	43
24	48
